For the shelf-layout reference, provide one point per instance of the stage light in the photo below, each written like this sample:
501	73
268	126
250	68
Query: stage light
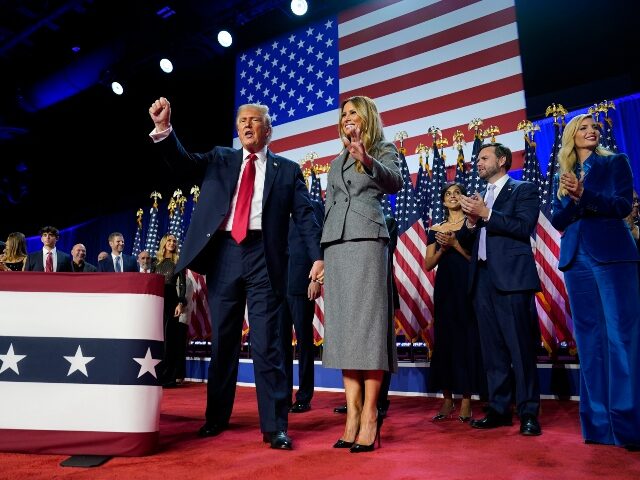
299	7
166	66
117	88
224	38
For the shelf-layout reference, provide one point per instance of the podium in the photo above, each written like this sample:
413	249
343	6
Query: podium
78	360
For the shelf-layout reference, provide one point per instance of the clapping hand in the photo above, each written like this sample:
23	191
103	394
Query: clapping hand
574	186
474	207
445	239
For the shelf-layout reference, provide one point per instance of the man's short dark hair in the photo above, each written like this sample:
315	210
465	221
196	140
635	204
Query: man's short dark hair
49	229
501	152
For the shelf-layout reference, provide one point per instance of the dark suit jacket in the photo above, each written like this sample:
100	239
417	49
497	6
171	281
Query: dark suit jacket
34	262
597	220
129	264
285	195
510	260
87	267
299	260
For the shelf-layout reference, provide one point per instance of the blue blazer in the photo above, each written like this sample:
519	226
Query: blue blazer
285	196
597	220
129	264
299	260
510	260
34	262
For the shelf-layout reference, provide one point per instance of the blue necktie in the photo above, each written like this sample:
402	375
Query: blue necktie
482	246
118	265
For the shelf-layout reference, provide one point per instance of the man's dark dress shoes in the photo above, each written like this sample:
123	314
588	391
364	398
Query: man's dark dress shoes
278	440
212	429
492	420
300	407
529	425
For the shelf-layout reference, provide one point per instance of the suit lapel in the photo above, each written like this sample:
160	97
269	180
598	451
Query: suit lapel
344	162
234	163
273	167
505	193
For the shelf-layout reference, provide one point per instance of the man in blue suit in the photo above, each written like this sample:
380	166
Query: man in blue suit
301	299
57	260
238	238
502	282
117	261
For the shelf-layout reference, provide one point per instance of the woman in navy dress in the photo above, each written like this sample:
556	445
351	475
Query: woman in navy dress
594	191
456	363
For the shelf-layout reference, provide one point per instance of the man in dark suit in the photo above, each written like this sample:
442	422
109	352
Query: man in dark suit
502	282
238	238
117	261
49	259
301	299
79	255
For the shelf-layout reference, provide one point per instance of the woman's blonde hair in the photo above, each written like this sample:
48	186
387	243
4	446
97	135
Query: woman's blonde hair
567	156
16	248
371	128
163	248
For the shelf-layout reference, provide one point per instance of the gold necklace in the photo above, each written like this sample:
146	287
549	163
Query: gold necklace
456	222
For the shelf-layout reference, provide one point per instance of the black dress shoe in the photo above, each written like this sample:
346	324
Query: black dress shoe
341	409
278	440
492	420
212	429
299	407
529	425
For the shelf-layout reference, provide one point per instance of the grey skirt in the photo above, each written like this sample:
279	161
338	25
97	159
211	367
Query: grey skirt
358	321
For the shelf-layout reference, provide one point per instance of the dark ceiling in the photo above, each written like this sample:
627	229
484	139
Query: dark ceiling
573	52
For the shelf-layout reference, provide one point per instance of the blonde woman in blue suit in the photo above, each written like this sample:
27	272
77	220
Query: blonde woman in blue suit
594	191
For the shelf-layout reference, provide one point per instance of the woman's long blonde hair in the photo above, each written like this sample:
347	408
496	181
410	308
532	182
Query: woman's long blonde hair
16	248
567	156
371	129
163	248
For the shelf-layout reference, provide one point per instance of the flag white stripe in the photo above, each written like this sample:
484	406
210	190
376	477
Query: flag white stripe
76	407
81	315
432	58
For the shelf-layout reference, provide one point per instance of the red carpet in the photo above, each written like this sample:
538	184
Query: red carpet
412	447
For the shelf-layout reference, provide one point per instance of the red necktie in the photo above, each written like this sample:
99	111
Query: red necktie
48	267
243	202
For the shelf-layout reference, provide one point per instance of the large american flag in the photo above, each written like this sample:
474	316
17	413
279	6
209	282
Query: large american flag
424	62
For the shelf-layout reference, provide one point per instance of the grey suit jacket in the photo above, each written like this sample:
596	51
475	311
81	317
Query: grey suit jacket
353	207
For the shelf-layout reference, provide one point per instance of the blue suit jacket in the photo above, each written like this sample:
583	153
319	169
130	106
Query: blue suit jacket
510	260
129	264
597	220
285	196
299	260
34	262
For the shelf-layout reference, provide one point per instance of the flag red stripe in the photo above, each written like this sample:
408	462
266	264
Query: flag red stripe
407	20
440	39
441	71
367	7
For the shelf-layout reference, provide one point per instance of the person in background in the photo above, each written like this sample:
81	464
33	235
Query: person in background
594	194
238	239
174	303
15	253
301	300
456	363
49	259
79	255
359	334
102	255
145	262
502	283
117	261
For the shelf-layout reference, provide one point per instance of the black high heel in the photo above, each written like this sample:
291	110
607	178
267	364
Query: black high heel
359	448
343	444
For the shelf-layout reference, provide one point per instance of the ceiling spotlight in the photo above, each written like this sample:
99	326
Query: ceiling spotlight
117	88
224	38
299	7
166	66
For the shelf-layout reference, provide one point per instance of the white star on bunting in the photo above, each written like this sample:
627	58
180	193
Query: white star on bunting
10	360
78	362
147	364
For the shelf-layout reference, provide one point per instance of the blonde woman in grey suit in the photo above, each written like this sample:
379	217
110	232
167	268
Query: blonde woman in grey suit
359	335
